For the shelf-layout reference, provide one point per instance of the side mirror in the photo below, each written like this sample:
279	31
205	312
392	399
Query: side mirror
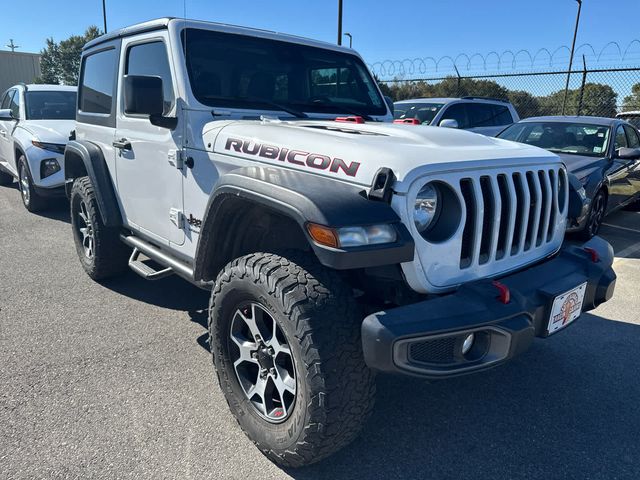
449	123
625	153
5	114
143	95
390	104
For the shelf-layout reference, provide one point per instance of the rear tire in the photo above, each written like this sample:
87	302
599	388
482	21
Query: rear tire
331	390
596	216
100	250
31	200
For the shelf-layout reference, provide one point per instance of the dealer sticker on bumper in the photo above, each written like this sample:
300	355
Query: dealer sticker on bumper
566	308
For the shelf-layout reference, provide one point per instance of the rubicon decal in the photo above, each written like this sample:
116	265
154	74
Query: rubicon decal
297	157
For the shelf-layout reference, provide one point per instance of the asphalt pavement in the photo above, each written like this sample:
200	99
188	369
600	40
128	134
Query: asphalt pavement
115	380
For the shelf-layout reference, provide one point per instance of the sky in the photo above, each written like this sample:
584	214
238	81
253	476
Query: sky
381	29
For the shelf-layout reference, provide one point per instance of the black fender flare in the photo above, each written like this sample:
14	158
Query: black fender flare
304	198
86	158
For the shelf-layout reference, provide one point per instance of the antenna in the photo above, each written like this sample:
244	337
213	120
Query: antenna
12	45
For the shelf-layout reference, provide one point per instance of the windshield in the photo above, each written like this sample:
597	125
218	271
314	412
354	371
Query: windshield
237	71
559	137
50	105
423	112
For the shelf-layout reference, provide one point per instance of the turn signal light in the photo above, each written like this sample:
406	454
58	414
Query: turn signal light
323	235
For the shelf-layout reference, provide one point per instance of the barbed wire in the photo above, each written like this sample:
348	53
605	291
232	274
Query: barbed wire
611	54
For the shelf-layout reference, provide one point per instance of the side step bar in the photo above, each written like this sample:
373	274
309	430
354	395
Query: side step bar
171	264
144	270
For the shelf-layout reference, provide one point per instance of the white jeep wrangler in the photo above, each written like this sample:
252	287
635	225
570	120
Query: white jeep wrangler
257	165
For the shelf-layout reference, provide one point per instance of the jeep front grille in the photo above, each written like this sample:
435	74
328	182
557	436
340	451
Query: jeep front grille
508	217
509	213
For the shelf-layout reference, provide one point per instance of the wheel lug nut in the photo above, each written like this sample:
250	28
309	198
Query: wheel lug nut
272	371
271	351
254	355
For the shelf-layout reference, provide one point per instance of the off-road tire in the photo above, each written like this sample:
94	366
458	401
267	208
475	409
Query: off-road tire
110	255
321	321
30	198
6	178
596	216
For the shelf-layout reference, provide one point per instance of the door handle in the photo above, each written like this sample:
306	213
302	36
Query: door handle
122	144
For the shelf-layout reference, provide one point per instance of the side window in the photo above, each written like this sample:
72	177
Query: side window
481	115
632	137
620	139
457	112
502	115
6	100
14	105
150	59
98	81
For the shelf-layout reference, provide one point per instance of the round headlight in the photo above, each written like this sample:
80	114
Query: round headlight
427	207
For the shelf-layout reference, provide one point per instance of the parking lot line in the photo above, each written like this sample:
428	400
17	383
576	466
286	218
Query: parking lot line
621	228
626	252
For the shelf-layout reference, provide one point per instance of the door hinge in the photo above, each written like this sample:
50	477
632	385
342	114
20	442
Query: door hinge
176	158
177	217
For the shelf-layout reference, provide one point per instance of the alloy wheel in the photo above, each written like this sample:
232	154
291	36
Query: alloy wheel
597	214
262	362
24	185
85	228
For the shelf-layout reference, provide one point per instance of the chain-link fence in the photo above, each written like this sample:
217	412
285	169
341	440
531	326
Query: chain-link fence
599	92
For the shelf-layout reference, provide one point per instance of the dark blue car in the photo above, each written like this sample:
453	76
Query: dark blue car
603	153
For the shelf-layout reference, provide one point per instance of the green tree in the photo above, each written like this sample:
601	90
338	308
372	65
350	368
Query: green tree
597	100
632	102
60	62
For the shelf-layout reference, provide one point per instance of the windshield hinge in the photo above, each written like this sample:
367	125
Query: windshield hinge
176	158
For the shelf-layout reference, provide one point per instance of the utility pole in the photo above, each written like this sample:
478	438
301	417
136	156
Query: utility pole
339	22
104	15
12	45
350	39
573	46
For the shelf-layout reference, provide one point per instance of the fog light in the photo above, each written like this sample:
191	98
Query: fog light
468	343
48	167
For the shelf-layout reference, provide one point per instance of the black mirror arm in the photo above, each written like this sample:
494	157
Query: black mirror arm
165	122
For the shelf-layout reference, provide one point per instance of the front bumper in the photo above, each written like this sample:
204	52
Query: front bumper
424	339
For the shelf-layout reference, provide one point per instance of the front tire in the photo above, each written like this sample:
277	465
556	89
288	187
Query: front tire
99	248
31	200
596	216
263	304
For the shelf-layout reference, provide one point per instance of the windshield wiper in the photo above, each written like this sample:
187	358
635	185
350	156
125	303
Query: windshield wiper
278	106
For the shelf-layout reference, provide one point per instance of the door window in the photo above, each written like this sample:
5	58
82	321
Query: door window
481	115
14	105
98	82
620	139
150	59
632	137
6	100
502	115
457	112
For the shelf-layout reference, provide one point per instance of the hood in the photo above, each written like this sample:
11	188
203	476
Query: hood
581	165
355	152
50	131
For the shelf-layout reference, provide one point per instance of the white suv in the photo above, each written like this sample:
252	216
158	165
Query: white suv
35	124
488	116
